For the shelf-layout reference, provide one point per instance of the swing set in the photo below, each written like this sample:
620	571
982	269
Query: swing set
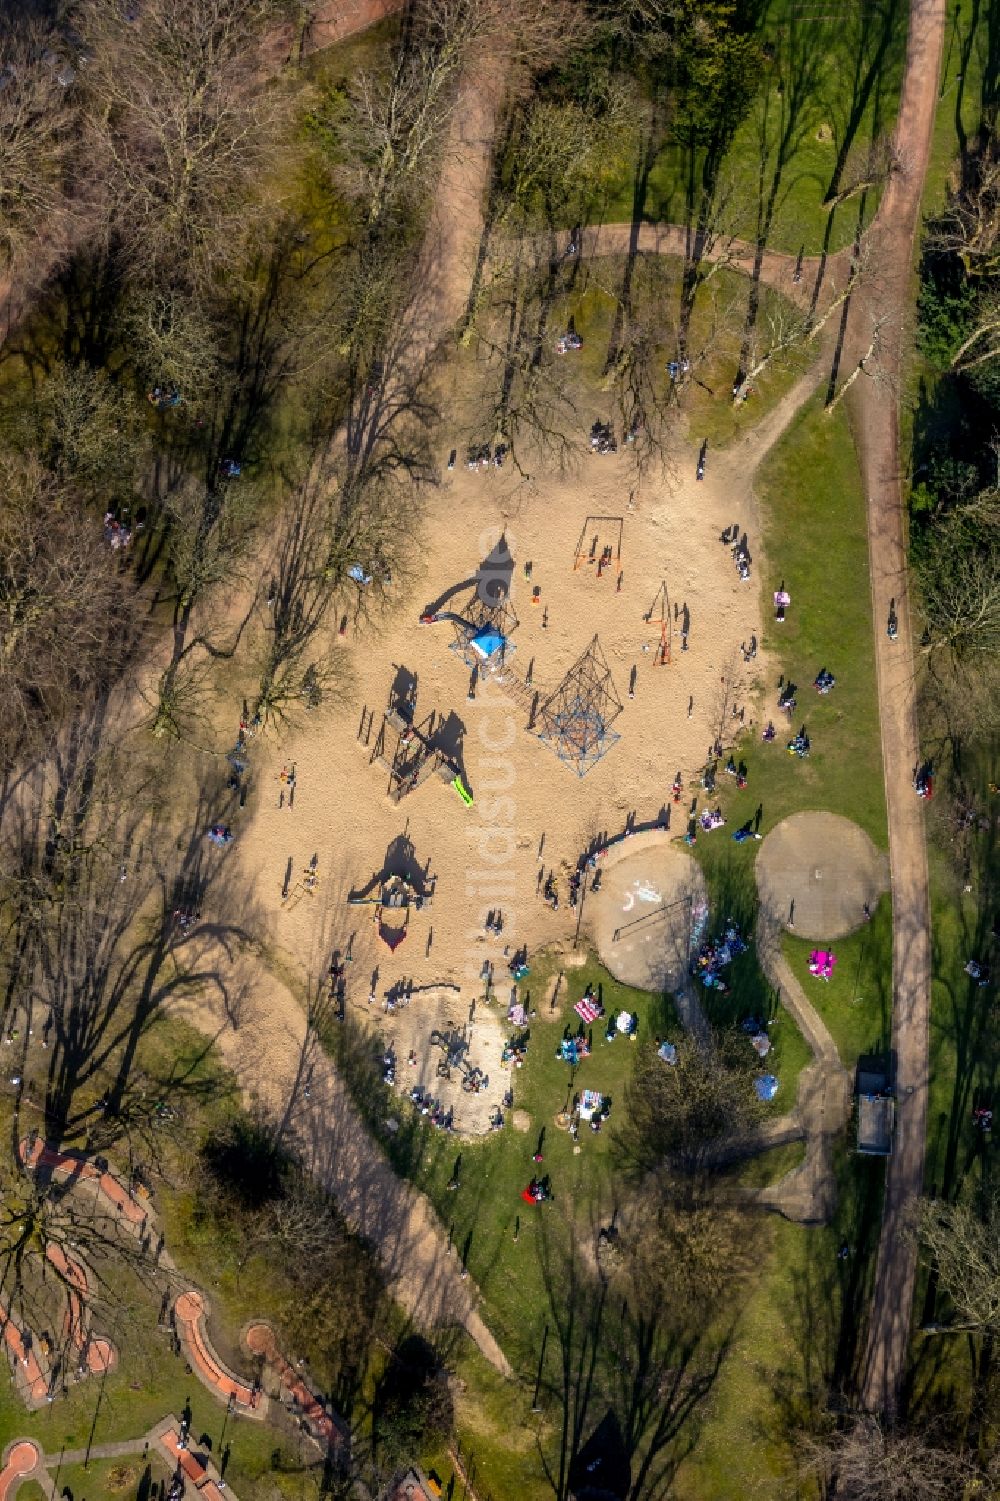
605	533
659	618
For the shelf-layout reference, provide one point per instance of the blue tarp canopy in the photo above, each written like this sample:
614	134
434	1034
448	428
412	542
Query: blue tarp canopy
487	642
766	1086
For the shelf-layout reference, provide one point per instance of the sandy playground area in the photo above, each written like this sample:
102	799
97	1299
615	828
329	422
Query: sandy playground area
532	815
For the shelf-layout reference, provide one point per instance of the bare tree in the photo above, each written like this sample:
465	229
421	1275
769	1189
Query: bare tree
970	226
643	336
868	165
174	338
38	116
184	127
678	1118
61	1254
870	364
64	605
87	431
960	588
390	132
782	328
964	1247
298	667
866	1462
525	392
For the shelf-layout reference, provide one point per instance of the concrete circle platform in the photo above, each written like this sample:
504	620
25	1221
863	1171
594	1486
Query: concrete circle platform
816	871
640	917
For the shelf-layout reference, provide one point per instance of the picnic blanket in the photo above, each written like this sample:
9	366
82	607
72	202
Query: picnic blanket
516	1014
590	1103
572	1049
822	963
588	1010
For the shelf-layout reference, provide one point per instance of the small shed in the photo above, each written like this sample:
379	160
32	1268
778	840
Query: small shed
876	1111
413	1485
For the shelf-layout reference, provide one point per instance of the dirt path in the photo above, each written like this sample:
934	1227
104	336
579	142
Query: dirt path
875	414
777	269
281	1066
808	1192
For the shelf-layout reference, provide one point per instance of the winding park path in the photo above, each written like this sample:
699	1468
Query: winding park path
875	413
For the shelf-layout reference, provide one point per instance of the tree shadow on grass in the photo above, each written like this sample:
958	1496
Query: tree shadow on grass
733	900
828	1296
626	1372
98	881
795	68
872	38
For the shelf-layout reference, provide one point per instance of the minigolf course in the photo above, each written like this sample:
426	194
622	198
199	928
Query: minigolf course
36	1154
260	1340
190	1311
640	915
20	1459
816	872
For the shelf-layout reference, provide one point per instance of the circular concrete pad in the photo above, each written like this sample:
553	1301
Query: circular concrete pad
815	872
640	918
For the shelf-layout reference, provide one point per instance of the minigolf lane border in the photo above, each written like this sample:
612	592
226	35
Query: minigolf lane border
195	1467
190	1314
20	1459
324	1425
29	1379
97	1354
36	1153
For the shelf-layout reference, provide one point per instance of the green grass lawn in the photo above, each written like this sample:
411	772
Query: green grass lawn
832	74
768	1167
706	403
857	1003
799	1338
106	1479
804	1318
484	1214
815	540
507	1243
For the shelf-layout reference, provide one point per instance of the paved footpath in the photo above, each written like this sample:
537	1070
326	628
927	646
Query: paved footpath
874	408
